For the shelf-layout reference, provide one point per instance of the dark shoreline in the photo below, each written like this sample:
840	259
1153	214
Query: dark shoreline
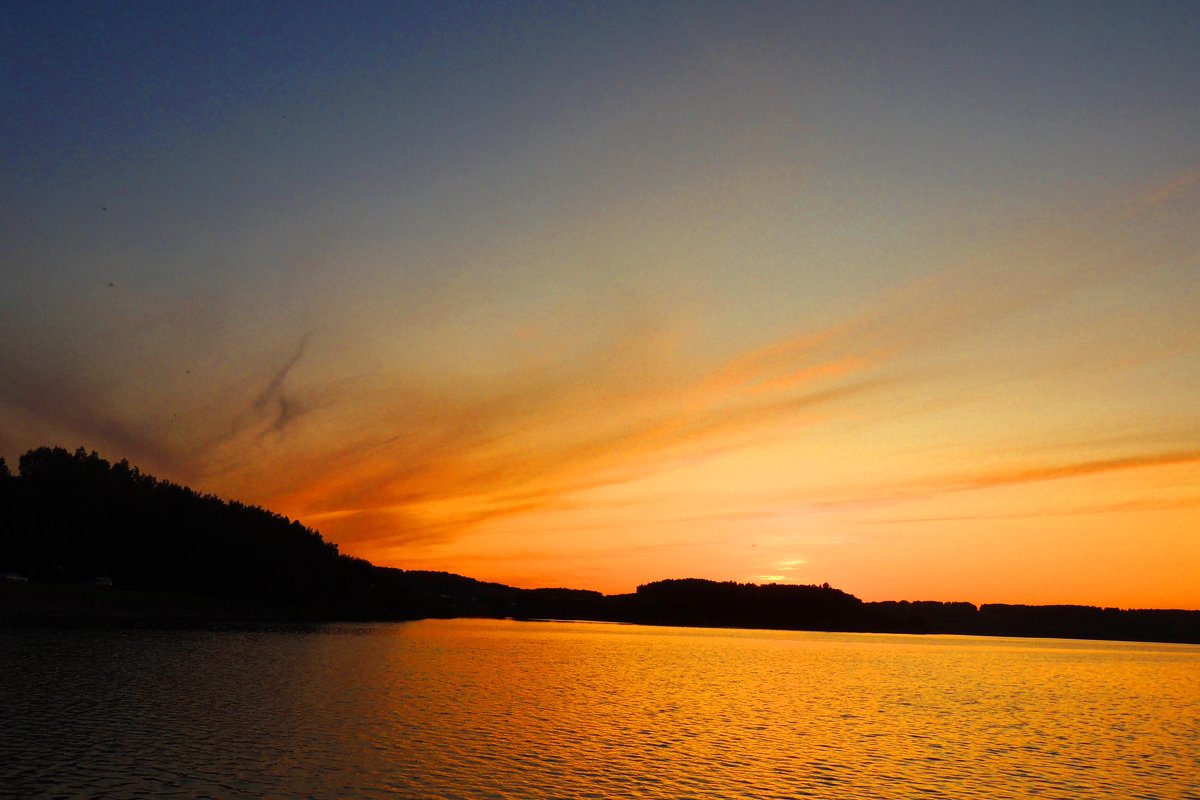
49	606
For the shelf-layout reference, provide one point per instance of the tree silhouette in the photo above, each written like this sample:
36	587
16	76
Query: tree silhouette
75	516
67	518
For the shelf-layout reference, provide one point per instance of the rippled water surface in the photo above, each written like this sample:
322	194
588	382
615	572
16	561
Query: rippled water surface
498	709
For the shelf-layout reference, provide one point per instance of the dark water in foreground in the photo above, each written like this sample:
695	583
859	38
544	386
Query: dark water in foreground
495	709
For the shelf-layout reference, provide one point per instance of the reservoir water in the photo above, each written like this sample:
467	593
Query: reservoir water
502	709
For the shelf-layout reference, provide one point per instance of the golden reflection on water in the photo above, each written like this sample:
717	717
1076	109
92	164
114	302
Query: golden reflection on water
561	709
484	708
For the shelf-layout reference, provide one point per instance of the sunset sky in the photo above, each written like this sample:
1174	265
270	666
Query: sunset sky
900	297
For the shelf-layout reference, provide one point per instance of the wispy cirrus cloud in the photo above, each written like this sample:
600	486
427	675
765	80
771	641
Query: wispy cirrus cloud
143	382
417	458
470	453
1183	182
1127	506
396	457
1076	469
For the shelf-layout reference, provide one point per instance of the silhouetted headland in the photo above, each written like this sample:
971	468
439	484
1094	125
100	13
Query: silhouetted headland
86	541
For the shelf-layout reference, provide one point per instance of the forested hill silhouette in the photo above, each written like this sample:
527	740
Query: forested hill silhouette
73	519
728	604
84	539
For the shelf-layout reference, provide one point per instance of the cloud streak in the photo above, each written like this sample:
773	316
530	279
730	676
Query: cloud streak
399	457
457	459
962	482
274	399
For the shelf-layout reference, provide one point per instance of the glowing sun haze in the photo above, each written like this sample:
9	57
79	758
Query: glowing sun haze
900	297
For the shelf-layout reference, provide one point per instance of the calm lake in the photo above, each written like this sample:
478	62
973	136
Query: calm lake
501	709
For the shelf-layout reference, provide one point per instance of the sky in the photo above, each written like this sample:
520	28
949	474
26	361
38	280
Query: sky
902	297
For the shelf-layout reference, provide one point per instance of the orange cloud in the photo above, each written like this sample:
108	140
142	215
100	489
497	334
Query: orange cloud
402	457
1168	190
527	443
1074	469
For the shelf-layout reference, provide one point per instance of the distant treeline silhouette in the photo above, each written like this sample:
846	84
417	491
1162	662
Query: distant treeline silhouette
71	523
704	603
